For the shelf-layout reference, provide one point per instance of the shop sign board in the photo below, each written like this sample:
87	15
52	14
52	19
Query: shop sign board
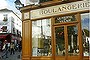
60	9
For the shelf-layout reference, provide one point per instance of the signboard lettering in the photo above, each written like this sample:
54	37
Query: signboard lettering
60	9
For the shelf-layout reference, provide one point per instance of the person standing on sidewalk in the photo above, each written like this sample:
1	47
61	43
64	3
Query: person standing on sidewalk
5	51
12	48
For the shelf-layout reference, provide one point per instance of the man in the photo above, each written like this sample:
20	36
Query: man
5	51
12	48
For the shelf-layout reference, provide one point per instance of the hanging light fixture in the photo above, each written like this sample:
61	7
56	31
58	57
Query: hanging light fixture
18	4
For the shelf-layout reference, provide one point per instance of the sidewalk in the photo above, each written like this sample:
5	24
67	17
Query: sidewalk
16	56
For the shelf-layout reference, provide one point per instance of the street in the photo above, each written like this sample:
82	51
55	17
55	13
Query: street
16	56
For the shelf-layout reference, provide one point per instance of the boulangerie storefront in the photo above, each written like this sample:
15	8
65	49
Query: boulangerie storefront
56	31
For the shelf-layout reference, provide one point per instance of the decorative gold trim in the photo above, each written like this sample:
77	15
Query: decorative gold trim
26	15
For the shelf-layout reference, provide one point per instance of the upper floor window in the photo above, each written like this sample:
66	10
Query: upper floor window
41	1
13	30
12	19
17	32
4	29
5	17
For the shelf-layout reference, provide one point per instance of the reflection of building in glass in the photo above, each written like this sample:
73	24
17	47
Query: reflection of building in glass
85	33
41	38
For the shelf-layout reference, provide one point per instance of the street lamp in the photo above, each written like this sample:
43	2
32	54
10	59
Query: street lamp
18	4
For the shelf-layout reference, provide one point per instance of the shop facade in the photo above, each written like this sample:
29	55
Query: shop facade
56	31
9	38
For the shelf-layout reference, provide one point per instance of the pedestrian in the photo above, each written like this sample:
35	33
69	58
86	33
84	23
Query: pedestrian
9	47
5	51
19	47
12	48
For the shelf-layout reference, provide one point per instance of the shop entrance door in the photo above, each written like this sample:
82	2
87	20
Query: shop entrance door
66	42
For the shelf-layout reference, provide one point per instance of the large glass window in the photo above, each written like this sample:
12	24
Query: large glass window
73	42
85	20
60	41
41	38
5	17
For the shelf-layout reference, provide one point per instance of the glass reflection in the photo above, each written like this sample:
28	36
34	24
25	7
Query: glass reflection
41	38
85	20
73	43
60	42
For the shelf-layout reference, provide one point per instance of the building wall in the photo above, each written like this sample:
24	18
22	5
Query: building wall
13	21
5	23
30	2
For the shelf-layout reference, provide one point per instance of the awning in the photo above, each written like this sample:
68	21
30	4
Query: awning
3	36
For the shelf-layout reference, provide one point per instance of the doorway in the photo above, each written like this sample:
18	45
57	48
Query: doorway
66	40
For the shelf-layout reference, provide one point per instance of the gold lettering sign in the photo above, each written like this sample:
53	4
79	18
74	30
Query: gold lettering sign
60	9
65	19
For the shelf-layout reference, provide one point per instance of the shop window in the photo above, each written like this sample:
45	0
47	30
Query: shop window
73	42
60	44
41	38
41	1
85	20
65	19
5	17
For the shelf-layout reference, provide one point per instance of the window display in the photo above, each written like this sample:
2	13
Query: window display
85	21
60	41
73	42
41	38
